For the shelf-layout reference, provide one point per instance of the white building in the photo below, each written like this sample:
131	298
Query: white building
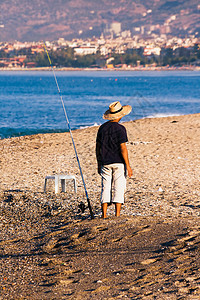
85	50
116	27
148	50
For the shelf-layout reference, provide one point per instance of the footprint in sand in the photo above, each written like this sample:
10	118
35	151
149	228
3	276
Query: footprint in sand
149	261
101	289
140	231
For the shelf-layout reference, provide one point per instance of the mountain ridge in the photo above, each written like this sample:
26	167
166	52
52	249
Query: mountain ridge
44	19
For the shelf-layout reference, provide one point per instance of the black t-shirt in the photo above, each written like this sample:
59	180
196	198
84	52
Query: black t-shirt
110	135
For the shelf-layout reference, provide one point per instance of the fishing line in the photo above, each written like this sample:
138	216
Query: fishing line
148	102
142	106
68	123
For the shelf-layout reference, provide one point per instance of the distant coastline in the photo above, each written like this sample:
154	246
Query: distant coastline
183	68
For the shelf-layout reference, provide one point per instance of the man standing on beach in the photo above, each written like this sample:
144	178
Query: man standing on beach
112	157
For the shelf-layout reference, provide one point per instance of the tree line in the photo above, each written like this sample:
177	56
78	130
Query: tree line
65	57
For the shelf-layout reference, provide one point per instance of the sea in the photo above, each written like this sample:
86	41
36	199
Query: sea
31	101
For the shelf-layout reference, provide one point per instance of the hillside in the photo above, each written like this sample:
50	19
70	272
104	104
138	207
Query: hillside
46	19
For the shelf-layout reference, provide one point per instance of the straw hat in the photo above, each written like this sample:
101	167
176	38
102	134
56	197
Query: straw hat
116	111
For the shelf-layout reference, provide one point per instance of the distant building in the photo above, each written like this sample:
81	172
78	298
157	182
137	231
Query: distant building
149	50
112	30
85	50
37	49
105	50
110	66
15	62
62	42
31	65
126	34
116	28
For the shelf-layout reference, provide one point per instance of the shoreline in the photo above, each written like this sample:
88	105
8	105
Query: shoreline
92	126
183	68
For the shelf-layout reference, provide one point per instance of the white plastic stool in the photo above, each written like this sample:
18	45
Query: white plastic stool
62	178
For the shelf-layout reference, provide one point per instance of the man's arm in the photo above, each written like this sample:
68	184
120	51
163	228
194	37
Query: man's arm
124	153
98	156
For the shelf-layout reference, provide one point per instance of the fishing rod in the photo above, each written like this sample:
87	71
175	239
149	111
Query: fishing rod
68	123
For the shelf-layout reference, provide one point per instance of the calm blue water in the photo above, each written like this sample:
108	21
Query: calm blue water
30	103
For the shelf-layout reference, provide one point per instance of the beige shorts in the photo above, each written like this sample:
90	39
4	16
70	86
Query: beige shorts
113	183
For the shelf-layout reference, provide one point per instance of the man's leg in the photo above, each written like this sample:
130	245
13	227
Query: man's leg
119	183
117	209
106	177
104	210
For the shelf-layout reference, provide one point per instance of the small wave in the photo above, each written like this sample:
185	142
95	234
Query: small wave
159	115
88	126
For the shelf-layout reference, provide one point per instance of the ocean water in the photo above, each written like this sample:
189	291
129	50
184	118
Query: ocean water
30	102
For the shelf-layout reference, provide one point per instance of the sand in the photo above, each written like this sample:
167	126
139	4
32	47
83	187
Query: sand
51	250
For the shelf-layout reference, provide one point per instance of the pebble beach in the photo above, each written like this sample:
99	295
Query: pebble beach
50	249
